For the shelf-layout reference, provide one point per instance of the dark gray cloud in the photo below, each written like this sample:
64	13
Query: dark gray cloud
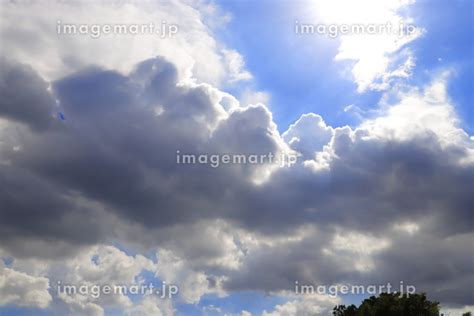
112	162
24	95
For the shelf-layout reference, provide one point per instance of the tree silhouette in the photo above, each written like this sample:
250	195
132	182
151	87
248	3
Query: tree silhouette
392	304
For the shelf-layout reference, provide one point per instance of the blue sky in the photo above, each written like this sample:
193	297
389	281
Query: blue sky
308	82
311	81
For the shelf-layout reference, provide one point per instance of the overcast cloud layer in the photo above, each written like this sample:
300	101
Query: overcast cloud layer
99	198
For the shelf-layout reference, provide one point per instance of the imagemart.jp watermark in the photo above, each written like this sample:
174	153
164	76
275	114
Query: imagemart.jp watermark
217	160
344	289
98	290
163	30
335	30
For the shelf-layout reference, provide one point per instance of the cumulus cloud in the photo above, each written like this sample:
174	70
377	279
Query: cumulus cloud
314	305
193	284
377	58
421	112
308	135
193	49
89	271
114	158
148	306
21	289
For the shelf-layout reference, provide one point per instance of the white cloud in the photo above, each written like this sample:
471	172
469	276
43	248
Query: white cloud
407	227
309	305
419	112
101	265
249	97
192	284
357	248
80	305
193	49
308	135
375	63
150	306
235	66
21	289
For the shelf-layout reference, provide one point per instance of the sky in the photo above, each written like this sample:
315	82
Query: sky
377	130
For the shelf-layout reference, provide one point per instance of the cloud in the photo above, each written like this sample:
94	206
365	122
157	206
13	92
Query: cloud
109	172
21	289
34	105
96	267
192	49
308	135
175	270
376	59
235	65
148	306
308	306
249	96
421	112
